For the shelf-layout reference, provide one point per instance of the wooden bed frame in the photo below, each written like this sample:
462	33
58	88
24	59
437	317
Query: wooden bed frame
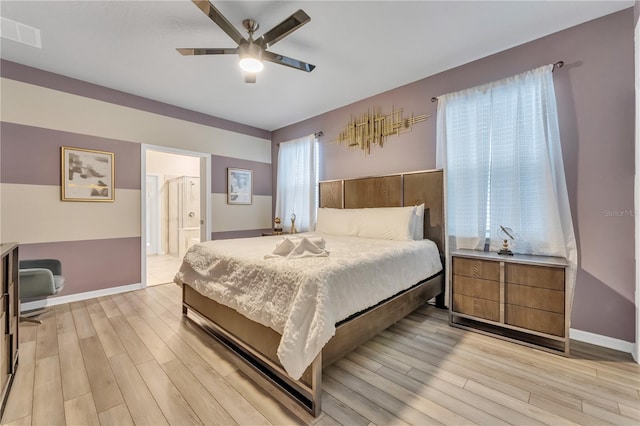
257	344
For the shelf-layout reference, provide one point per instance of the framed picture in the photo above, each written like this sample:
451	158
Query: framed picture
87	175
239	186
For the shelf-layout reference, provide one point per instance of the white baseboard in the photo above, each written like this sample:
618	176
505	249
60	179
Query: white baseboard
604	341
37	304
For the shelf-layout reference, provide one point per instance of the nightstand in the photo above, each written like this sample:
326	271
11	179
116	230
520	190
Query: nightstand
520	298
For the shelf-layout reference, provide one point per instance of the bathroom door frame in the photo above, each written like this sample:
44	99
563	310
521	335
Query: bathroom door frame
205	197
153	208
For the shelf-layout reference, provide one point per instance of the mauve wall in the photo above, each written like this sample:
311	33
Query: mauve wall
256	218
100	243
595	93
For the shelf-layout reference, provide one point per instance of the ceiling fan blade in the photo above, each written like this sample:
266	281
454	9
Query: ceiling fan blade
249	77
206	51
283	29
217	17
289	62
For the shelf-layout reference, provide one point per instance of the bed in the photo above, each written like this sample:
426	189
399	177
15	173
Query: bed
290	348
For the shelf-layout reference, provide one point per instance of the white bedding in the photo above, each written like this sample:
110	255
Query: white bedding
303	299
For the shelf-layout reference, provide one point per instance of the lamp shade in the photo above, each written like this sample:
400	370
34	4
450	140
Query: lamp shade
250	57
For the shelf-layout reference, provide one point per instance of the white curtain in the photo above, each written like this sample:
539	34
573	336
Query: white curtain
499	144
296	190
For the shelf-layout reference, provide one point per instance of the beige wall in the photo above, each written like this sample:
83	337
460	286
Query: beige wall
166	163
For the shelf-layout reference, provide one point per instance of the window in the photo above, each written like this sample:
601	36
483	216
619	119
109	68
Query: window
499	145
297	185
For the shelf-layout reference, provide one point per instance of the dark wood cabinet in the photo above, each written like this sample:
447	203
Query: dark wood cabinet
520	298
9	318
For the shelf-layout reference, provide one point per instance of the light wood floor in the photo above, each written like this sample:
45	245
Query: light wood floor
132	358
161	268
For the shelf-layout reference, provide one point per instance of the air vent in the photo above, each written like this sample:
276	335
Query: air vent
21	33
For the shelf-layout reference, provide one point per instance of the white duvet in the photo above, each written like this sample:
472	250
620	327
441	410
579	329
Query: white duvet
303	299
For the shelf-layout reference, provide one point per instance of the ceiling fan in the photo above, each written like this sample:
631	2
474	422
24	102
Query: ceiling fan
252	52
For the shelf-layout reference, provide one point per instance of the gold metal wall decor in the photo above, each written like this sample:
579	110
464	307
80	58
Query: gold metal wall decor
374	129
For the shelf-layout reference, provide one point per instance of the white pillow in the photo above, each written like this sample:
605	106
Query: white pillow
388	223
337	221
418	222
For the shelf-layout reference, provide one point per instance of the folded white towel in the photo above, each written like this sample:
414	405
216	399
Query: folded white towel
318	241
306	248
284	247
296	248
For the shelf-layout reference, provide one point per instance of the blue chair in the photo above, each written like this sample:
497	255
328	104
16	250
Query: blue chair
39	279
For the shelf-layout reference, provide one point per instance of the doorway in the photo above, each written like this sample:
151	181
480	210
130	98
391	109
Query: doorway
175	209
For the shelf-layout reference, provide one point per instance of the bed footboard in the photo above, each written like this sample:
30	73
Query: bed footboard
257	344
307	391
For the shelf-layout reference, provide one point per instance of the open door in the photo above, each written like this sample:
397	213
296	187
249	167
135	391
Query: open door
205	197
178	216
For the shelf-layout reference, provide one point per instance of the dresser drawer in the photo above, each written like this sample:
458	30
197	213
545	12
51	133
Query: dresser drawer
535	297
481	308
4	274
12	308
535	319
4	357
476	287
535	276
476	268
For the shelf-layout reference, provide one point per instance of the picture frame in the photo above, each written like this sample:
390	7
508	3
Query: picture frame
239	186
87	175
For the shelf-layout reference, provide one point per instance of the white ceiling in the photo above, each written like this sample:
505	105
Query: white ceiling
360	48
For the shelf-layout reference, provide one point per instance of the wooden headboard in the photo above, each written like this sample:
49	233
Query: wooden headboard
405	189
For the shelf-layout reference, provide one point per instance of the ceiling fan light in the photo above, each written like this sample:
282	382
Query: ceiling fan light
250	57
249	64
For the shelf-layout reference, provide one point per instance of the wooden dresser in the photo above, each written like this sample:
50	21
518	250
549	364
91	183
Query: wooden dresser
520	298
9	318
